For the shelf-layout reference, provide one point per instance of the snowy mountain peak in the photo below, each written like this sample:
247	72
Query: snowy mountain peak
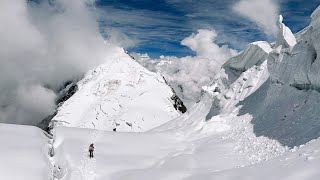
120	95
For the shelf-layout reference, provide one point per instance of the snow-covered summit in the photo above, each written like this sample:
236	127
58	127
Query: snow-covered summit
119	94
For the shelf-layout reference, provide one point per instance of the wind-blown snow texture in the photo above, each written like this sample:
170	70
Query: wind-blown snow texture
257	120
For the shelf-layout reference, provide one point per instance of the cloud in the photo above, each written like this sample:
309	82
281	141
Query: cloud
159	29
187	75
119	38
262	12
203	44
28	105
44	45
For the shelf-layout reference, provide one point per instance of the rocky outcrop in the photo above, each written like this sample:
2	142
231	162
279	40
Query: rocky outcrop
66	93
178	104
70	89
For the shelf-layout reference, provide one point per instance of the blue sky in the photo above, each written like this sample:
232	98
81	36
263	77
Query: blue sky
157	27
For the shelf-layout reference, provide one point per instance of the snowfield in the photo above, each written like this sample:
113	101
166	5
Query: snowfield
24	153
258	119
142	155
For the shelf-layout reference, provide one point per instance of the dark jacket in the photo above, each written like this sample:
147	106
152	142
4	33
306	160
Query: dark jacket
91	147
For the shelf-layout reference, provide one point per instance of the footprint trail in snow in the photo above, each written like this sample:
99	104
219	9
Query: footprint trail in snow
88	167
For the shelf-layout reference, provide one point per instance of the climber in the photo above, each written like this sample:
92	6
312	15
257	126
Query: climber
91	149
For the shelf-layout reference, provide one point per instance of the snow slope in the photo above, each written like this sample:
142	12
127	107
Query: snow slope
119	94
24	153
172	156
140	155
299	163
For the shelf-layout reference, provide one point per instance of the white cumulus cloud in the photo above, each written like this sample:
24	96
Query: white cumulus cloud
203	44
262	12
187	75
